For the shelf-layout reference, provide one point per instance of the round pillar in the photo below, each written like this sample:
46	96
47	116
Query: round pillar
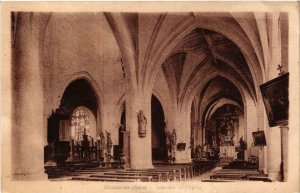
274	156
140	147
27	127
284	139
274	153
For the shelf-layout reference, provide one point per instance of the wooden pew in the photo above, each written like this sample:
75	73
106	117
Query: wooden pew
172	172
217	180
181	172
202	166
239	172
187	171
156	177
229	176
104	179
164	175
260	178
141	178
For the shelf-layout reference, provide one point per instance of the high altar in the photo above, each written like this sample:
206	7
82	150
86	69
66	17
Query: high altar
227	148
227	153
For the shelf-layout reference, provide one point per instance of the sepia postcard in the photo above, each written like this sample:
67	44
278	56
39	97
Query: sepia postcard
150	97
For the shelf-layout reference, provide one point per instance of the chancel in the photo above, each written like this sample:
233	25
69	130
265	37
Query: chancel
149	96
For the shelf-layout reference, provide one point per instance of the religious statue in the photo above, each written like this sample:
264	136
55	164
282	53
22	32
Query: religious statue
98	138
85	146
124	161
229	128
102	141
198	152
142	122
242	148
108	142
214	141
168	140
174	138
205	150
222	139
171	144
192	145
109	157
243	144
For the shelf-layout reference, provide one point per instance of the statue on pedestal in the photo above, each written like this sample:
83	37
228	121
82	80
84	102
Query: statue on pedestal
168	140
174	139
198	152
101	145
108	142
171	144
142	122
85	146
124	161
229	128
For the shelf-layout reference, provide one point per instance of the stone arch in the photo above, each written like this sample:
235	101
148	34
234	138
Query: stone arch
122	34
86	76
215	104
249	103
95	89
158	140
187	101
246	48
120	105
163	102
244	78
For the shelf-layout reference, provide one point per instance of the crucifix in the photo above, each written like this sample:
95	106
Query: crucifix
281	72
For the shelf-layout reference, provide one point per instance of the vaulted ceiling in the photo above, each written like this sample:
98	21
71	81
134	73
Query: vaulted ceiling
204	51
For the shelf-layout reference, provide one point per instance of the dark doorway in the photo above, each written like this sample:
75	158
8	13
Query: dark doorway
159	150
122	128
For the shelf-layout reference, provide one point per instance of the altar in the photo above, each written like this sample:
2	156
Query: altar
227	153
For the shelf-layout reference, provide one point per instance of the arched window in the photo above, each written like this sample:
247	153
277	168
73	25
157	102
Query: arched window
82	122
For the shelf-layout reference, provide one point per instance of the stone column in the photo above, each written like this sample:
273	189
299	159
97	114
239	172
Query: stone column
140	147
183	132
125	143
126	146
274	153
273	133
284	144
250	121
28	138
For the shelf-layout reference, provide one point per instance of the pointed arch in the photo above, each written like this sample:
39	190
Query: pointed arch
236	36
97	92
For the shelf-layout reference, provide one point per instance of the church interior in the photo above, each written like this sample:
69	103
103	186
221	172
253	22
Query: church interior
101	96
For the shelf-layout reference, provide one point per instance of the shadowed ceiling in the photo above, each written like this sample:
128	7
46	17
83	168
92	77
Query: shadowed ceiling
198	48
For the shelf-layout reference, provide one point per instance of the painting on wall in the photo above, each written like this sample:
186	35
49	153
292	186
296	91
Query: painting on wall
259	138
276	100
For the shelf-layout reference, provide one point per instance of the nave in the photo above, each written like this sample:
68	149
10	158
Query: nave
205	171
157	94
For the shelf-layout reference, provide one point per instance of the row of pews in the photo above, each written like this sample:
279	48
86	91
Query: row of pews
69	168
229	175
202	166
157	174
92	171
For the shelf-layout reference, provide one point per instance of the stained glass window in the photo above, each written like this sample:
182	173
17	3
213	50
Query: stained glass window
80	124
